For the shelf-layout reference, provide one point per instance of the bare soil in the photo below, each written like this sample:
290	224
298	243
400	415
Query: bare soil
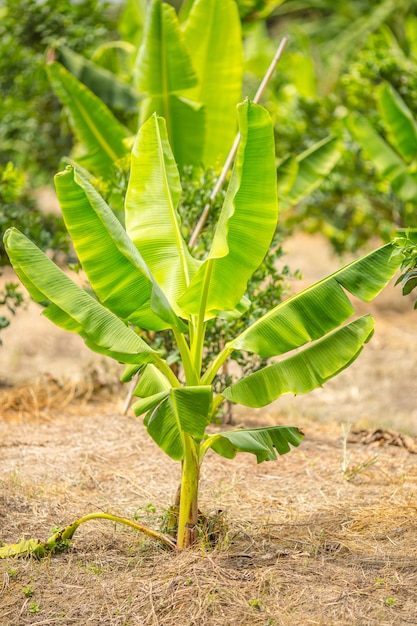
300	542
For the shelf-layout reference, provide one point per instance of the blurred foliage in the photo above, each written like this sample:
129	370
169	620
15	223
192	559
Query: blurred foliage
33	132
407	245
17	208
10	299
338	54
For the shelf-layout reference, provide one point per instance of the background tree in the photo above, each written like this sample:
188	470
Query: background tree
33	132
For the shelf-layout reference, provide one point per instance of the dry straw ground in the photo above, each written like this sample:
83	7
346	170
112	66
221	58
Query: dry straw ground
300	541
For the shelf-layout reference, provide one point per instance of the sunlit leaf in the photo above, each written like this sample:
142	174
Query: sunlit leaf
123	281
186	125
71	306
152	220
164	64
320	308
213	37
306	370
250	207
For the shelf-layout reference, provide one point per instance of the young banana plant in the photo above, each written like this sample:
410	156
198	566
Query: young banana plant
144	277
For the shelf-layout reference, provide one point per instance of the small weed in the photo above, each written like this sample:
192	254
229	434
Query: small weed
390	601
28	591
12	572
34	607
255	604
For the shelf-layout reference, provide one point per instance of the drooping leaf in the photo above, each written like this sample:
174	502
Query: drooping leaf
152	381
263	442
320	308
152	220
187	409
130	371
94	125
25	547
287	171
71	306
313	166
122	282
387	162
250	207
114	92
399	120
306	370
149	403
213	37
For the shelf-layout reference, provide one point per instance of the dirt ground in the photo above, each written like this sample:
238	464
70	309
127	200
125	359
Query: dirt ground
300	541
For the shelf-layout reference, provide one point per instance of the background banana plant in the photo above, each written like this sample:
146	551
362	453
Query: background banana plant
145	277
188	69
393	156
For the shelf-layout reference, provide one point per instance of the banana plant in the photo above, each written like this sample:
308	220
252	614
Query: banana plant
394	158
190	73
301	175
145	277
189	70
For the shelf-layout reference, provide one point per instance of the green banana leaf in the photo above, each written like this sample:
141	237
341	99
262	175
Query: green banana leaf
186	130
185	409
306	370
320	308
126	286
130	371
149	403
313	166
259	441
70	306
132	21
386	161
400	122
250	207
164	72
106	85
24	548
118	57
152	381
94	125
152	220
163	64
213	37
287	171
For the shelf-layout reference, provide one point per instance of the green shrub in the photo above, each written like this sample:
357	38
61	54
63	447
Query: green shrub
33	132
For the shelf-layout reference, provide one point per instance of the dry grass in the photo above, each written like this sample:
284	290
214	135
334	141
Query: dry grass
301	545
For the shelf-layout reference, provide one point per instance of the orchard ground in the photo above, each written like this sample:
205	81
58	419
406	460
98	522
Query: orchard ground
299	540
